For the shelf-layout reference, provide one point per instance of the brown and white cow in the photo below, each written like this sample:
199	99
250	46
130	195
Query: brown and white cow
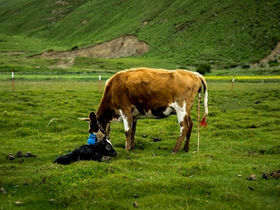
151	92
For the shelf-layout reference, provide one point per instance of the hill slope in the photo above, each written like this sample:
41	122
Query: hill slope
223	33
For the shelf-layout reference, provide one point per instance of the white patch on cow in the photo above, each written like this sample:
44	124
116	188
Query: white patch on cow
168	111
149	114
180	111
109	142
135	112
125	121
120	119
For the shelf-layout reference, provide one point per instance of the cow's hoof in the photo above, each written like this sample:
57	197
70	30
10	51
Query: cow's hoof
174	152
186	149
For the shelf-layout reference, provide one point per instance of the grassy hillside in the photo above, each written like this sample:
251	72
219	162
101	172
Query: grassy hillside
185	33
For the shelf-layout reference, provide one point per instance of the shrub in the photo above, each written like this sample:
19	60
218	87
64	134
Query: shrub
273	63
74	48
203	68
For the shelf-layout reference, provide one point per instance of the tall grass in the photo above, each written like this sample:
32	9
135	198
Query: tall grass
241	139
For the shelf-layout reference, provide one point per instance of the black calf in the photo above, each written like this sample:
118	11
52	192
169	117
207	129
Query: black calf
88	152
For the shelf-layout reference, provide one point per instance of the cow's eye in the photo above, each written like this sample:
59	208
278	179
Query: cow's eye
108	147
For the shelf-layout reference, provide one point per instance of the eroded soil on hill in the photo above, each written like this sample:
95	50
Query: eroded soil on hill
274	55
121	47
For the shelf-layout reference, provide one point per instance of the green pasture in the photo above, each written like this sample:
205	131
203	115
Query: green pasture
41	116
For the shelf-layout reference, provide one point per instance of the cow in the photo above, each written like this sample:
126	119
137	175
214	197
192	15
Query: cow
151	92
88	152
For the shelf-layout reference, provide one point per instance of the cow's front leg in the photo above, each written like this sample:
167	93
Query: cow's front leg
127	122
134	122
128	143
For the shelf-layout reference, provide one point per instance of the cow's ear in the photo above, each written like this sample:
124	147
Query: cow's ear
92	116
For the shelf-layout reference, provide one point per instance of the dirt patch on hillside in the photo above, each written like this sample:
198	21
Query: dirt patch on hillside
274	55
121	47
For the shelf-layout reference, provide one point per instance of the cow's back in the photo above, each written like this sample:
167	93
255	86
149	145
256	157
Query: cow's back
151	88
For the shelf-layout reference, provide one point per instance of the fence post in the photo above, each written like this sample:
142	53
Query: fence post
13	80
99	83
232	83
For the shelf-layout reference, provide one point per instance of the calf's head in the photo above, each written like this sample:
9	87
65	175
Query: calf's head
105	147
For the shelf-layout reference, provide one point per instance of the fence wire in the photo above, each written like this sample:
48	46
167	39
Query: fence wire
66	82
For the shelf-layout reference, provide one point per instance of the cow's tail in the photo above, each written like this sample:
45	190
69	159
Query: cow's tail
205	96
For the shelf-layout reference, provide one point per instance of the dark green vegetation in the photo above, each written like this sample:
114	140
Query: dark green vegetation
181	34
203	68
41	116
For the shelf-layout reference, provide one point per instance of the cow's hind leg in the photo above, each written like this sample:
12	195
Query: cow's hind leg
187	142
183	120
183	132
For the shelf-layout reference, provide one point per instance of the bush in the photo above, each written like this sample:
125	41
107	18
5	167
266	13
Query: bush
273	63
74	48
203	68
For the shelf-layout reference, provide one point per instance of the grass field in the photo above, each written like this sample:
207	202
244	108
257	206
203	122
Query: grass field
41	116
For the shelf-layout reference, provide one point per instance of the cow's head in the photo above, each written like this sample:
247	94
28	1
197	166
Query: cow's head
106	147
95	126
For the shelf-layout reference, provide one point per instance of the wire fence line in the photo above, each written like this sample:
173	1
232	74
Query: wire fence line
53	82
23	81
